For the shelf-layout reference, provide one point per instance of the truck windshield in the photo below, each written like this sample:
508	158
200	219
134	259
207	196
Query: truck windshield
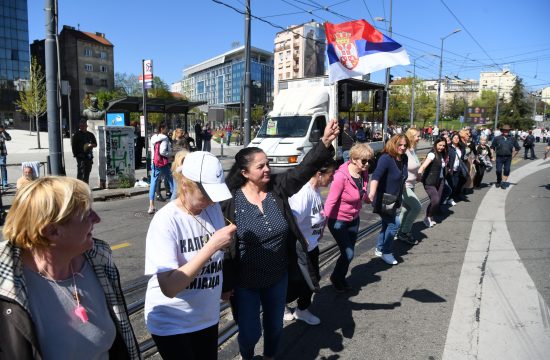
285	126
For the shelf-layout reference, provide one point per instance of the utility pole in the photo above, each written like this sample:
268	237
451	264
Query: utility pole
387	87
246	118
54	138
148	161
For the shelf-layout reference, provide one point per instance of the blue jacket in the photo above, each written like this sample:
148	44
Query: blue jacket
390	179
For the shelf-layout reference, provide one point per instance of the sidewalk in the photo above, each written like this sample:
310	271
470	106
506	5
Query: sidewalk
23	147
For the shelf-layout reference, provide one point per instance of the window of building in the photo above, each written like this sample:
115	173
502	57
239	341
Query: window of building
103	82
88	67
87	52
103	55
103	68
89	81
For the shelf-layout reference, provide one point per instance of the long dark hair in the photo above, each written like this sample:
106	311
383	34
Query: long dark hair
235	179
437	140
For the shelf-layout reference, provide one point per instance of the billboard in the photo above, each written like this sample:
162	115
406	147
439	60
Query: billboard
314	50
115	119
476	115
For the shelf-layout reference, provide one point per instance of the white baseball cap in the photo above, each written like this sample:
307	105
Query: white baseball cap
205	169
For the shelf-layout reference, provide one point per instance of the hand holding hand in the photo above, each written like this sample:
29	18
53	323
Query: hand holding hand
331	132
221	239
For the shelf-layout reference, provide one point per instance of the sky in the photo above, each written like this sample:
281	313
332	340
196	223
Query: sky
175	34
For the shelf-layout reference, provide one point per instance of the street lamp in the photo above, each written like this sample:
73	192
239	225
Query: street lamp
498	98
438	104
412	89
387	85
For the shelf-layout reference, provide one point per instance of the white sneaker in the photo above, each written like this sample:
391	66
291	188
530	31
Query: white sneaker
288	316
306	317
389	259
433	222
428	222
377	252
451	202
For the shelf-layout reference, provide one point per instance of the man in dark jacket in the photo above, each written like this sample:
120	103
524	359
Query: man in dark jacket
4	136
83	143
505	147
529	145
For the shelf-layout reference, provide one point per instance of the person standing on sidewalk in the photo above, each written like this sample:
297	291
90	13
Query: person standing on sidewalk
4	136
506	147
342	206
83	143
198	136
411	205
432	172
307	207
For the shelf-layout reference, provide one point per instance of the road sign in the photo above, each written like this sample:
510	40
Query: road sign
147	74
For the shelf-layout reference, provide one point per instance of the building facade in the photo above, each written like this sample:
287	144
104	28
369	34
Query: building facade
501	81
87	64
299	52
219	80
14	57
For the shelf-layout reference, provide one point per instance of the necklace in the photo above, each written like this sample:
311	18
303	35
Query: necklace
197	220
79	311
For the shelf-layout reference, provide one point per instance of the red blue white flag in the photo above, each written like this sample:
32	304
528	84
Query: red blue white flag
356	48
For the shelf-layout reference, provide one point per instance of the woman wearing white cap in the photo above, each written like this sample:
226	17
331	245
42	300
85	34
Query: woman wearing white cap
183	255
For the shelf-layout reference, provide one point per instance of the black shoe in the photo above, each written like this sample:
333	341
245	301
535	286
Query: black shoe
168	195
160	198
337	287
497	185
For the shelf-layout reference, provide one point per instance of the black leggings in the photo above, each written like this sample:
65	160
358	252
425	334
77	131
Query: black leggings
198	345
304	300
434	193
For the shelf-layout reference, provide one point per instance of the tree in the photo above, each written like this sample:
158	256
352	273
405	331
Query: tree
516	111
128	84
32	101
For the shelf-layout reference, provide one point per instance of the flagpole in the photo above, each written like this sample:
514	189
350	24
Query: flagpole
387	88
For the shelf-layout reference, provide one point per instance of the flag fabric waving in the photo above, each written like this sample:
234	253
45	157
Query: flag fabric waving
357	48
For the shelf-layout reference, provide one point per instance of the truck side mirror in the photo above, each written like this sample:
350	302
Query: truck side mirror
315	136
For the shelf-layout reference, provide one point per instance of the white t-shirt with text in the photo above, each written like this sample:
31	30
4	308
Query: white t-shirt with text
307	207
174	238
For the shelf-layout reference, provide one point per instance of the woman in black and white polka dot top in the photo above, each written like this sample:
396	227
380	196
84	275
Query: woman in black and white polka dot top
269	251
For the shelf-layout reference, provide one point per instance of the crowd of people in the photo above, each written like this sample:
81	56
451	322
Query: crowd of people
251	239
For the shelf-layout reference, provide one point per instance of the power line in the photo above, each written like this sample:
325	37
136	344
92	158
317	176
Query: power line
468	31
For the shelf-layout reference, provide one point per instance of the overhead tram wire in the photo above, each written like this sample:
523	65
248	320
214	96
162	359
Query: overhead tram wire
298	7
366	7
468	32
242	12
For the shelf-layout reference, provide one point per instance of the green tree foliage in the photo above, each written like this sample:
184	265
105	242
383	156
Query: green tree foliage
128	84
455	108
400	104
516	111
33	100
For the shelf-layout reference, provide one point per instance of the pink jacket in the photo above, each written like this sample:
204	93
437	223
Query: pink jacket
343	202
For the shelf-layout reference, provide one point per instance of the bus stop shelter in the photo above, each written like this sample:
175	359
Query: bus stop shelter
154	105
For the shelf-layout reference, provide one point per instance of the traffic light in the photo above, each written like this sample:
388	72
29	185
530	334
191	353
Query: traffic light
379	100
344	97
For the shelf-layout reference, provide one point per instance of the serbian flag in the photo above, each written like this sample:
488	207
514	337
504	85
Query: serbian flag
356	48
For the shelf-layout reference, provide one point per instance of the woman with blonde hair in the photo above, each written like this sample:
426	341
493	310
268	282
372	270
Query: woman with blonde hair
60	294
344	201
411	205
387	185
184	256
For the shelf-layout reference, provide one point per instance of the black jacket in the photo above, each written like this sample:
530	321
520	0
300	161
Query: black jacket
80	138
282	186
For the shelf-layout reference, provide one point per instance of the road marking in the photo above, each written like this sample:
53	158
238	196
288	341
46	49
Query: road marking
498	312
120	246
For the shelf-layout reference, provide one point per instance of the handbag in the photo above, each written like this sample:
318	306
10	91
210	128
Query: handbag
388	205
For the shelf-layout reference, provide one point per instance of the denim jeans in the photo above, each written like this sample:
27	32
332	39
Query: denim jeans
4	170
345	155
390	224
345	234
272	300
503	161
409	211
165	171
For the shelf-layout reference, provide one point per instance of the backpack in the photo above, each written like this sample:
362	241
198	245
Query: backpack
158	159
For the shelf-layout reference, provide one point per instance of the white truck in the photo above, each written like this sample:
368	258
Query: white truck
300	113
